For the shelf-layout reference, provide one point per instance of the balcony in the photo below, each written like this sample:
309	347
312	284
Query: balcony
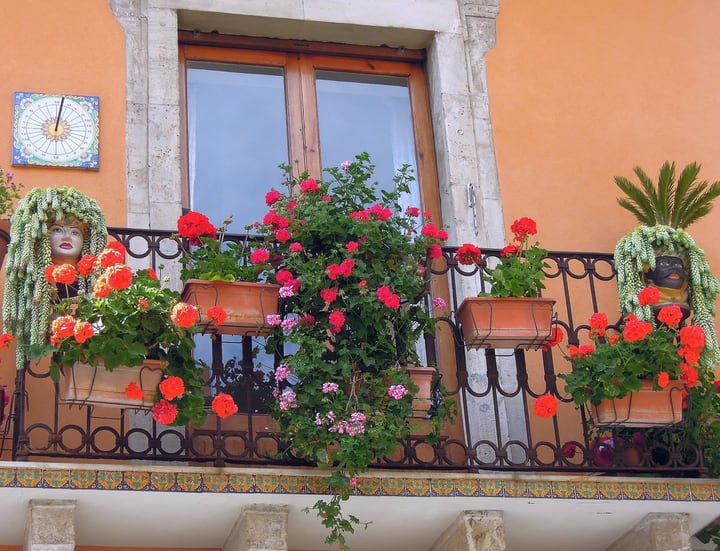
496	448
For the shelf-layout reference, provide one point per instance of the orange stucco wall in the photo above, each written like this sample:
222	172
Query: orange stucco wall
581	92
68	47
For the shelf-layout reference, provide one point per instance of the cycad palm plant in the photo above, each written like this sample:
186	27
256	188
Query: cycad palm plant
670	203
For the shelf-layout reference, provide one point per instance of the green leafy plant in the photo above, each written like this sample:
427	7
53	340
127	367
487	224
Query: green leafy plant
520	270
617	361
672	203
352	264
210	256
126	318
9	193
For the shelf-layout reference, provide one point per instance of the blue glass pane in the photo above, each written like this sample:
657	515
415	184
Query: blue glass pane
237	136
367	113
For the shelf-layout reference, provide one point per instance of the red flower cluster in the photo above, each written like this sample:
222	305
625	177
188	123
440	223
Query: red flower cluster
546	405
468	254
636	330
195	225
648	296
134	392
164	412
217	315
184	314
5	340
172	387
388	298
598	324
523	227
223	405
345	268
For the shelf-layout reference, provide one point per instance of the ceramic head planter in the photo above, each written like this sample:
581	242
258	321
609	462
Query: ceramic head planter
53	225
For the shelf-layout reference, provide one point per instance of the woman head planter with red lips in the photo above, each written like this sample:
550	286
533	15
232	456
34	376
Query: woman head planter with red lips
49	226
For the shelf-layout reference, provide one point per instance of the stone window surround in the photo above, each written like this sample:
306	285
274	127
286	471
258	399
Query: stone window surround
456	33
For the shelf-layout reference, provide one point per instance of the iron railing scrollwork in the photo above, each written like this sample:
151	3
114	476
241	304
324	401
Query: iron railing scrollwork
494	390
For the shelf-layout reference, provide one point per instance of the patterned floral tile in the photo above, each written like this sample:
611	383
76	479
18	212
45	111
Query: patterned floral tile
563	489
701	492
389	484
56	479
162	482
29	478
610	490
240	483
516	488
587	490
109	480
678	492
632	490
490	488
83	479
442	487
137	480
539	488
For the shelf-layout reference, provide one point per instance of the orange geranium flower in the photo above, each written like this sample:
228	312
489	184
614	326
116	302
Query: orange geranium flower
217	315
119	276
63	326
83	331
164	412
546	405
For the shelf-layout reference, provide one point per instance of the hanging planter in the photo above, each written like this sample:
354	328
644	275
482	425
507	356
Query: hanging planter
246	304
507	322
423	377
84	384
643	408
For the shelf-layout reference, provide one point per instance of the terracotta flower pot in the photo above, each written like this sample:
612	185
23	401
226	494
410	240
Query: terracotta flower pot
84	384
508	322
245	303
645	408
423	377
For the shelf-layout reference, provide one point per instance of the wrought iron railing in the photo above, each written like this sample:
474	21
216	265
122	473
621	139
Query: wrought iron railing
494	391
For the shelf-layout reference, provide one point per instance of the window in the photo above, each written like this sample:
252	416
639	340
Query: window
248	110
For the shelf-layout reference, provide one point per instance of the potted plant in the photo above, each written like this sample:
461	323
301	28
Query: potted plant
660	252
220	273
636	375
9	194
28	296
512	314
352	265
126	343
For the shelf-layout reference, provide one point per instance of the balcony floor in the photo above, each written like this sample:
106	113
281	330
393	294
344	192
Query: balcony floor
122	505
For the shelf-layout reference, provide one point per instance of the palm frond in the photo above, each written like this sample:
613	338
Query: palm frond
675	204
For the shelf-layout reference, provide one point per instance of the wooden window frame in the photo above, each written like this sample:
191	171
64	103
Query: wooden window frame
300	60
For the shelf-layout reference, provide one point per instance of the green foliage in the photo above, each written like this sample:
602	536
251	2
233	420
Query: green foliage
353	269
218	259
616	367
130	325
520	274
9	193
670	203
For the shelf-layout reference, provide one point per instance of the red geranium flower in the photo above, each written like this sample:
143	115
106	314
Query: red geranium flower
337	319
259	256
117	246
195	225
599	323
546	405
670	315
172	387
328	295
109	257
556	337
134	392
5	340
119	276
522	227
101	289
468	254
648	296
692	336
164	412
309	186
663	379
217	315
224	406
272	197
509	250
87	264
64	273
83	331
63	326
636	330
434	251
184	314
